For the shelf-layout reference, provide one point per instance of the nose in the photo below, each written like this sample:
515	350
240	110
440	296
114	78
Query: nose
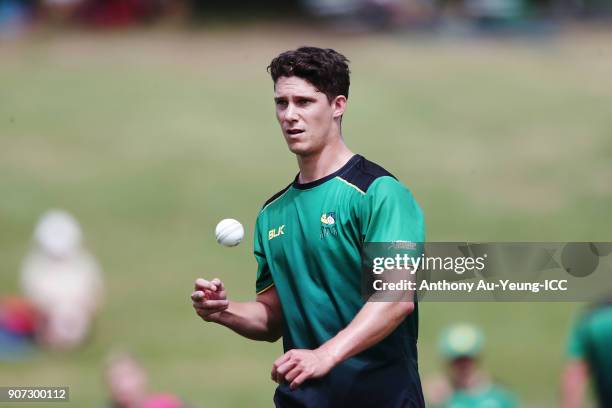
291	113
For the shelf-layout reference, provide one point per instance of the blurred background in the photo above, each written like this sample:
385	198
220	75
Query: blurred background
131	127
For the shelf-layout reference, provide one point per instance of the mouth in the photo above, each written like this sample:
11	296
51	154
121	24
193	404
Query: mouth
294	131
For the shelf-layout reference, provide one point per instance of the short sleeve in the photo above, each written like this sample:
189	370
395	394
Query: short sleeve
264	277
391	214
576	348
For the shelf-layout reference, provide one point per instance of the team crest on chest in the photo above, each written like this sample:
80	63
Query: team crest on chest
328	224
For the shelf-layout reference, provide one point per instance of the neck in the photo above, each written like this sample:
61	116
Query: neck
323	163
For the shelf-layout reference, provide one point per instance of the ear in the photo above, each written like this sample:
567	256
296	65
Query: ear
339	105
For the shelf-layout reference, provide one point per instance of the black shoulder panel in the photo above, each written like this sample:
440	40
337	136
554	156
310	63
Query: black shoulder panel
364	173
599	305
275	196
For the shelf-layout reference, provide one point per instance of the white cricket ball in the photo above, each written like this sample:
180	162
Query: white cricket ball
229	232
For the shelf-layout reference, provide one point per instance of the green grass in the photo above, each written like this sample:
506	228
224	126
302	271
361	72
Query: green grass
151	138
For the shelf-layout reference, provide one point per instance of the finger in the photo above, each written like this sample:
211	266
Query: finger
200	307
202	284
214	304
286	367
197	296
206	312
220	292
293	373
299	380
208	294
217	282
282	359
276	377
277	363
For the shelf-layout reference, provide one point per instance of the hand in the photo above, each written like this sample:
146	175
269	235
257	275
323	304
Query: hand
297	366
209	299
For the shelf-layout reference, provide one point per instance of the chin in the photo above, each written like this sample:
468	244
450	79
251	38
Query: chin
300	148
303	151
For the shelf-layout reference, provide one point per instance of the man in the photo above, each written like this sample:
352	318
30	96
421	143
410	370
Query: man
339	350
466	384
589	353
128	385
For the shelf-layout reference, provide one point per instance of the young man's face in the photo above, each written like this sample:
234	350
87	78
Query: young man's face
305	115
461	370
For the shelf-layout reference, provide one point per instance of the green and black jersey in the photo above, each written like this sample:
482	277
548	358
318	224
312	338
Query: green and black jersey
591	340
308	242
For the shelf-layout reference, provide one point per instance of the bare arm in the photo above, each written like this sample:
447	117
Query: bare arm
573	384
258	320
374	322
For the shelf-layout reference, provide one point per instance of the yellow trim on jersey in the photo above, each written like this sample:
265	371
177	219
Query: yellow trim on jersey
263	290
352	185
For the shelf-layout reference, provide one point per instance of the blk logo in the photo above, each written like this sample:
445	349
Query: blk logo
275	232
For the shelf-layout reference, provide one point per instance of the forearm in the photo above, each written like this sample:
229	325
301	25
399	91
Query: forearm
573	384
253	320
374	322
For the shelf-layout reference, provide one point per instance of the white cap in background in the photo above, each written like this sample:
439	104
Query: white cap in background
58	233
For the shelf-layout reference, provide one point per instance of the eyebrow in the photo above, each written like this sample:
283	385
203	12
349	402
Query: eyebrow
282	98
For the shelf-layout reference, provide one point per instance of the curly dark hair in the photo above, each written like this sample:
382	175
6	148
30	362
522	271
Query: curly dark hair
326	69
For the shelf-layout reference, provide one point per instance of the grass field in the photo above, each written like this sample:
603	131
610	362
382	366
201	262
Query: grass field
150	138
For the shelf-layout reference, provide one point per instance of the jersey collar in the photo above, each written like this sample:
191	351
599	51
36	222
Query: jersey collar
306	186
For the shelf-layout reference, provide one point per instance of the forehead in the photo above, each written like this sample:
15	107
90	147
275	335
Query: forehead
287	86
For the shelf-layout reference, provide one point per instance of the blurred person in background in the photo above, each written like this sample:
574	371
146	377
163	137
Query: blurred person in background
589	354
60	11
17	325
62	280
466	384
488	13
128	387
109	13
373	14
123	13
15	17
481	14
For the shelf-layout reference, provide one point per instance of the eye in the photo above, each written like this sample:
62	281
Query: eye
303	102
281	103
